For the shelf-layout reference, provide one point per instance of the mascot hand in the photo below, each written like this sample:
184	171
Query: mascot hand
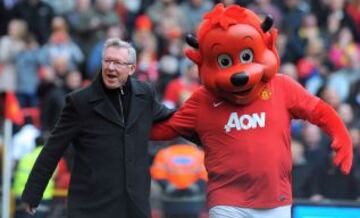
327	119
344	152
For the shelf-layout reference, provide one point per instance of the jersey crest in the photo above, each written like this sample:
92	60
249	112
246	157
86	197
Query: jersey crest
265	94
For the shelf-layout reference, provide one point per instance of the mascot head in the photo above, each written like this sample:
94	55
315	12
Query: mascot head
235	51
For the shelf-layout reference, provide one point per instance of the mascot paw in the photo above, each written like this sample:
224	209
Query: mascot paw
343	157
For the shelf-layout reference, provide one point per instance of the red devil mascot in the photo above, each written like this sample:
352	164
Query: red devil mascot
242	116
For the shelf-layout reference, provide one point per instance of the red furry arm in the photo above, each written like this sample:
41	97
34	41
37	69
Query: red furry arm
327	119
163	131
183	122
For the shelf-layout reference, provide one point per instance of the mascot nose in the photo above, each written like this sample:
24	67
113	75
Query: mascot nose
239	79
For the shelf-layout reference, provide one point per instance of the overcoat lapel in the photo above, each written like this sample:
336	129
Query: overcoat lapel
102	105
107	110
138	102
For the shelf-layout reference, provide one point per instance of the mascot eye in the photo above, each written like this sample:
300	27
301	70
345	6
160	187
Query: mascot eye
225	61
246	56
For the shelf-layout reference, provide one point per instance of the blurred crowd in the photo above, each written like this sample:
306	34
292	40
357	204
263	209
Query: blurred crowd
49	48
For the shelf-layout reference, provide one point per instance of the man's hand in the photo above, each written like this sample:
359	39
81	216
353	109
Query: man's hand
30	210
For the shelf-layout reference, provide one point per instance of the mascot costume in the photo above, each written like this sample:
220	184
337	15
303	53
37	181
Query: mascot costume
242	116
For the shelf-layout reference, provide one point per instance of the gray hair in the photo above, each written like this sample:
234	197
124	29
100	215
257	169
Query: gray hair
118	43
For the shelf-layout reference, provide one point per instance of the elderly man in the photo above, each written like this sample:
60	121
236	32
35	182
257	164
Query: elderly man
108	124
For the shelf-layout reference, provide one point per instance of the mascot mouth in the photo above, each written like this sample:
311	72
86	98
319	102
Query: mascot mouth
243	92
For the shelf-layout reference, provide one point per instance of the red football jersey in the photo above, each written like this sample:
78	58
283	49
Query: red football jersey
247	147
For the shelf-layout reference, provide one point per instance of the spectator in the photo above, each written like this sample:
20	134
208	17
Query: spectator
282	46
231	2
61	44
180	89
128	12
301	172
170	24
162	10
334	17
22	173
143	36
93	21
355	136
75	16
11	45
148	65
354	98
38	15
23	141
61	7
309	30
27	67
290	70
180	171
1	157
344	50
352	8
347	115
5	16
195	10
327	177
316	147
145	41
330	96
265	7
73	81
168	69
292	16
51	97
310	68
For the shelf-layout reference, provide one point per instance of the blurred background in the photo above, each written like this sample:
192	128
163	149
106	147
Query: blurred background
49	48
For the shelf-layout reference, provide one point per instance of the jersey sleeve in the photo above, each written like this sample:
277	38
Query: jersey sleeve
300	102
183	122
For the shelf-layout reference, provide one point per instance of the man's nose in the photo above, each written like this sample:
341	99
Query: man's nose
111	65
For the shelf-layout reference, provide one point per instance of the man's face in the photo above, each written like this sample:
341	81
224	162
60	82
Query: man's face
116	67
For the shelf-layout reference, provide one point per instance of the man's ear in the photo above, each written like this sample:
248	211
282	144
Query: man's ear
193	55
132	69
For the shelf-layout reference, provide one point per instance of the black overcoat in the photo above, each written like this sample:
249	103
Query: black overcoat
110	159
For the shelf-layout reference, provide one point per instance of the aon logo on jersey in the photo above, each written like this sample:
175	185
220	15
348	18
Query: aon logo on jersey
245	121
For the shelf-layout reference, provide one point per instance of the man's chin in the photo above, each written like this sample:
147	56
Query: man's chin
110	85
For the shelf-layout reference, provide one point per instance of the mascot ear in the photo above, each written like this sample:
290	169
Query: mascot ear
272	39
193	53
267	23
271	56
192	41
266	26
